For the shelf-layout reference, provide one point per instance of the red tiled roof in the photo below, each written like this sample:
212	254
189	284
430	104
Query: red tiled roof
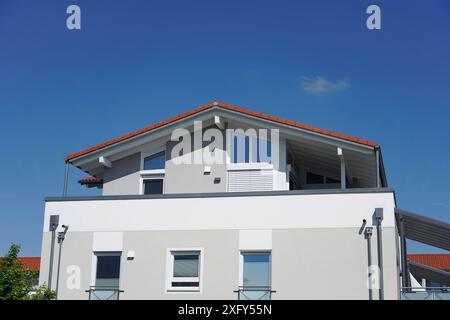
31	263
435	260
226	107
88	179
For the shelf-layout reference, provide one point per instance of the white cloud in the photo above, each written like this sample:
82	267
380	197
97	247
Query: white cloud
319	86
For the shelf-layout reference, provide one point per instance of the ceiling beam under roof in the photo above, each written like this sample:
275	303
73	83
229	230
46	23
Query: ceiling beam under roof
104	162
346	173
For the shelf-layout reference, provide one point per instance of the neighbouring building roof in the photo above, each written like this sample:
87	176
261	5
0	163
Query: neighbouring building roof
435	260
224	106
31	263
90	181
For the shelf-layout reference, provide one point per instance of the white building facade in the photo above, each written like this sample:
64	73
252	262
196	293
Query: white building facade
311	219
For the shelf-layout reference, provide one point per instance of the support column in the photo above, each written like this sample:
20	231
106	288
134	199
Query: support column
66	177
405	271
343	169
377	158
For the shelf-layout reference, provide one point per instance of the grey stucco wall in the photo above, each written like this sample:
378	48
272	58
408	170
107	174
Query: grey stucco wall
190	178
306	263
123	177
328	264
145	276
76	255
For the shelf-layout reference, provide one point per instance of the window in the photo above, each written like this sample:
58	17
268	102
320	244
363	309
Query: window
153	171
184	270
256	276
107	275
155	161
312	178
256	269
108	269
241	152
331	180
153	186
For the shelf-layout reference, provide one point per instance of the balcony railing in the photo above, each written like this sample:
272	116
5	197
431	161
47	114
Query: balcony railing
104	293
425	293
254	293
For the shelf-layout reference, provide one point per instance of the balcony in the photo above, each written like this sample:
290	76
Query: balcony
425	294
254	293
104	293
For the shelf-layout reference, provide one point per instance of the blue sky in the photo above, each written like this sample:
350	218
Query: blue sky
137	62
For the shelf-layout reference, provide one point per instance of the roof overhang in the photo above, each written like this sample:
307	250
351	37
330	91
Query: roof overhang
87	160
423	229
421	271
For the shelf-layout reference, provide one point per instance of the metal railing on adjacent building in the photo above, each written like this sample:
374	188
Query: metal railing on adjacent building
425	293
254	293
104	293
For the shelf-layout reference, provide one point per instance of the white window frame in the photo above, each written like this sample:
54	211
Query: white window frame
170	268
155	174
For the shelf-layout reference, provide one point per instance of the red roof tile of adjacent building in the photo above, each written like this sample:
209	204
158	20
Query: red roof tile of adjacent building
31	263
435	260
88	179
226	107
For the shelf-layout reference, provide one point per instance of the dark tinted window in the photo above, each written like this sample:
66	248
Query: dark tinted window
108	267
312	178
331	180
156	161
153	186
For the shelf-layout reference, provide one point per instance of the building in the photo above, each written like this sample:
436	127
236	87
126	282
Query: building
194	208
429	270
30	263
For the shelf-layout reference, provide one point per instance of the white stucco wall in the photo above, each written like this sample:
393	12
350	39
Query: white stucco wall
314	241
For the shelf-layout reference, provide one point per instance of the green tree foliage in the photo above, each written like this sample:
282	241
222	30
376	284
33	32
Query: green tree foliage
16	281
44	293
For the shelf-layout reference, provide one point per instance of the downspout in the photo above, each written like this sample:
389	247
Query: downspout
66	176
378	215
54	221
368	236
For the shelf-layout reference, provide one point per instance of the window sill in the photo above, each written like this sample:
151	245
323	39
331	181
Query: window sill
152	172
186	290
